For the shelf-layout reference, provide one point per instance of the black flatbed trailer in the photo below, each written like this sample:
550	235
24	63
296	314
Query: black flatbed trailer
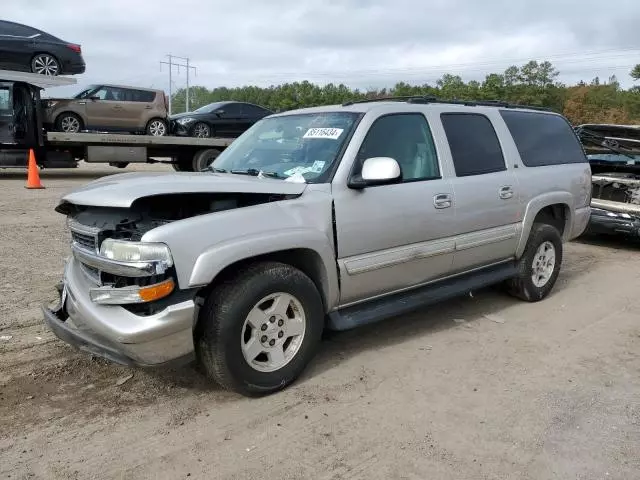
21	129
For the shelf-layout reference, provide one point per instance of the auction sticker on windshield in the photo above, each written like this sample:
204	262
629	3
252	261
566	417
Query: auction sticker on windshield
324	132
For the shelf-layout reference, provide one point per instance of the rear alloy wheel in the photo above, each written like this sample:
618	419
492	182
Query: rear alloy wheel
201	130
157	127
539	266
45	64
68	123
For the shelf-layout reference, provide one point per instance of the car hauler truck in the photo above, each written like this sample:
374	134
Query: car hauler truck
21	129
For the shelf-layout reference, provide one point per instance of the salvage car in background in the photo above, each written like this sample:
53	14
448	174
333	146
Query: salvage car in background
111	108
614	155
219	119
28	49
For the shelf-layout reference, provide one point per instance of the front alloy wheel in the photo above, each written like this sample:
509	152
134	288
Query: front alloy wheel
258	330
273	332
70	124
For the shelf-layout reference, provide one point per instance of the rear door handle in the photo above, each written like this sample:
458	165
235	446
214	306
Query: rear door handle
505	192
117	107
148	107
442	200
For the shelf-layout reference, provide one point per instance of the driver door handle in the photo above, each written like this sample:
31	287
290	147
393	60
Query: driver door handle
442	200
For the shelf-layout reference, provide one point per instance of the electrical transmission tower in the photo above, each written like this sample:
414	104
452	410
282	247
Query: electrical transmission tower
171	63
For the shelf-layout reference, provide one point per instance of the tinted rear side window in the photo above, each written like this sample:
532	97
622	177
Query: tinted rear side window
17	30
143	96
543	139
474	144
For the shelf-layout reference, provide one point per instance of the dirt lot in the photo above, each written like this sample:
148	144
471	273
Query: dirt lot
481	387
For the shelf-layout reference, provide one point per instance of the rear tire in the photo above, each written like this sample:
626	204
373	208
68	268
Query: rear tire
204	158
539	266
69	123
157	127
45	64
258	331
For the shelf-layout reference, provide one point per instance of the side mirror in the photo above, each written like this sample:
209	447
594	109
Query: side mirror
219	113
376	171
94	98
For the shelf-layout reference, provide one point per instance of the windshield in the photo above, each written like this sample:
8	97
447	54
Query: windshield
84	93
614	157
5	101
209	108
299	147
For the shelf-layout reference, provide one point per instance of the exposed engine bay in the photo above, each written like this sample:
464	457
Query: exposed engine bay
151	212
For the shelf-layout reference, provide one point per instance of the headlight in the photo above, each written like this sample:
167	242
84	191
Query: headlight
186	120
125	251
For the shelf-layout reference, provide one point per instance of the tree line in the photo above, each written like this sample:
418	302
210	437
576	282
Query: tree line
534	83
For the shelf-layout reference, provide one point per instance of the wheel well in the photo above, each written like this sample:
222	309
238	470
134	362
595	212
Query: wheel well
157	118
306	260
45	53
555	215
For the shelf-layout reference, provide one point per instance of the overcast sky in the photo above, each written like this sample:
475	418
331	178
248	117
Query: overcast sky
358	42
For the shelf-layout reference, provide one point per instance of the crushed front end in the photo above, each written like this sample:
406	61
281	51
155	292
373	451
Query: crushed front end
119	298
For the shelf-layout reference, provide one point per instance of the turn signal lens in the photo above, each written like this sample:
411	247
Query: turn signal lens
157	291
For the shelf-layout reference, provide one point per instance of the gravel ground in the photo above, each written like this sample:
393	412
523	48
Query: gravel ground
480	387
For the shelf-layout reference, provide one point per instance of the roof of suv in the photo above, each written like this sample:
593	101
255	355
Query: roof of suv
406	104
127	87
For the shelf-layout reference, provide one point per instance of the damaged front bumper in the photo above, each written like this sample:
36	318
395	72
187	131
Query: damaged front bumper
611	219
115	333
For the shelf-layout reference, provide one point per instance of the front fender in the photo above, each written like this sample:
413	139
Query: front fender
218	257
534	207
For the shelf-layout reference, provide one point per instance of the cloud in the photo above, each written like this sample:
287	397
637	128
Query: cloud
359	42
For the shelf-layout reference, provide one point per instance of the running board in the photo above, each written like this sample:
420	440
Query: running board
408	301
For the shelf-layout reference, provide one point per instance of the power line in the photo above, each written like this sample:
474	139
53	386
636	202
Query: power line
563	58
172	64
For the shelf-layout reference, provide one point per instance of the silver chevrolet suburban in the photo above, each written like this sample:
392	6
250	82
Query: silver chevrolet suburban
327	217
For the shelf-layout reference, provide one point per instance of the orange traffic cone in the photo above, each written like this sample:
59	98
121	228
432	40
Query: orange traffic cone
33	177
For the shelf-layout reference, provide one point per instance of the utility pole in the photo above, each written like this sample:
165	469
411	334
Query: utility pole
171	63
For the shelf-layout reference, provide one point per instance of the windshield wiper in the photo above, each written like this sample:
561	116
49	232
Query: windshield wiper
211	168
254	173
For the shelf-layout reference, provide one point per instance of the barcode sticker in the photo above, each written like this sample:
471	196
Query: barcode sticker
331	133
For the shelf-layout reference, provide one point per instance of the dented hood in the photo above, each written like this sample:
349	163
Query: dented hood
121	190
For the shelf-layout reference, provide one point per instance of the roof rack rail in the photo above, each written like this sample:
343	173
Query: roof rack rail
379	99
431	99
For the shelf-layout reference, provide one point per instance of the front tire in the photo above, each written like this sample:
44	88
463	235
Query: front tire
258	331
45	64
539	266
69	123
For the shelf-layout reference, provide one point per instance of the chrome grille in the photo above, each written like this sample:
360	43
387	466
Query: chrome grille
87	238
84	236
90	242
